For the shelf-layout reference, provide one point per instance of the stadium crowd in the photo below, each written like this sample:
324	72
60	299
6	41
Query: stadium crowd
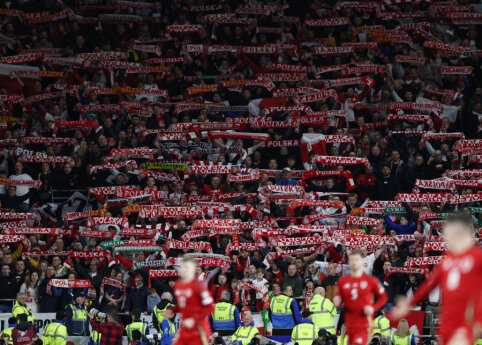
264	138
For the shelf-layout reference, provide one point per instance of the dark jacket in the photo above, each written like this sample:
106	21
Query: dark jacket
387	188
137	299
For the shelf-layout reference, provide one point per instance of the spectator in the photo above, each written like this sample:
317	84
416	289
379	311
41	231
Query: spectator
137	296
330	282
286	179
293	279
217	289
387	185
8	288
21	190
30	289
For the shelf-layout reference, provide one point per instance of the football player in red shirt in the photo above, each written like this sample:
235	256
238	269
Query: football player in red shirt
459	276
356	290
195	304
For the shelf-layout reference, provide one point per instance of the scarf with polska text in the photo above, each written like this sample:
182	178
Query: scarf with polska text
298	241
208	223
435	247
314	203
350	183
428	260
143	233
423	197
109	190
118	165
156	211
33	230
76	125
90	254
203	260
352	220
77	215
195	233
213	169
439	136
69	284
173	244
14	224
41	140
98	234
405	270
340	160
121	222
12	182
20	216
366	240
110	244
291	252
46	159
462	173
440	183
136	248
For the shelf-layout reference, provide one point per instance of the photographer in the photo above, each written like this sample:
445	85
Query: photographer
378	339
326	338
111	329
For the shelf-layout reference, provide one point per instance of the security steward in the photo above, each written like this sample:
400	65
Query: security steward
136	324
305	332
77	319
284	314
20	307
245	334
56	332
225	319
323	311
160	308
381	325
12	323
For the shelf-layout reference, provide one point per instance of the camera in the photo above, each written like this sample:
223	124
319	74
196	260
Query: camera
153	337
100	315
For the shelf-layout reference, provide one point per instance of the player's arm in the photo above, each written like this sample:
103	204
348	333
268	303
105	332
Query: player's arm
206	301
381	294
426	287
337	299
403	306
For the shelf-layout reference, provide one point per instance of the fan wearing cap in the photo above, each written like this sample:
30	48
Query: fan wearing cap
305	332
77	320
286	179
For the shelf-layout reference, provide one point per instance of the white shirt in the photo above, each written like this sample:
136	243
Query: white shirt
22	190
368	262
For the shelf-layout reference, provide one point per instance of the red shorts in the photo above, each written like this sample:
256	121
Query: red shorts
447	333
357	336
192	336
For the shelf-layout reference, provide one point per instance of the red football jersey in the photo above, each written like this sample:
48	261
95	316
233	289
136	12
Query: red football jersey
193	300
460	280
356	293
